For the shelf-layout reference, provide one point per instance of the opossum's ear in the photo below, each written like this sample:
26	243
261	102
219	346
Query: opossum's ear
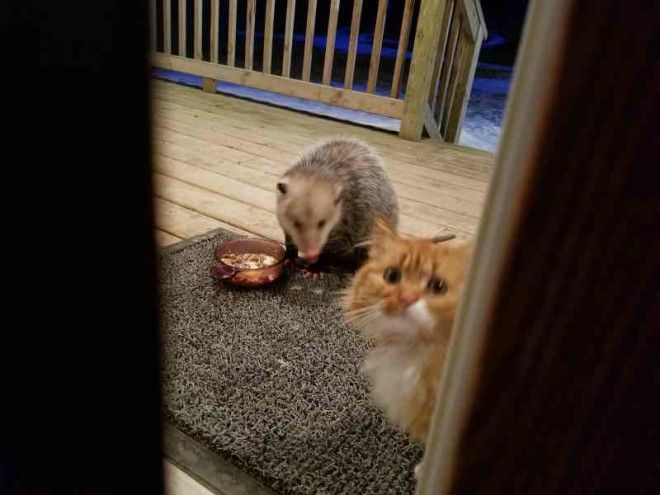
283	186
338	189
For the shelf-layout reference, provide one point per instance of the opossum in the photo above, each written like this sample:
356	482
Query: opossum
328	200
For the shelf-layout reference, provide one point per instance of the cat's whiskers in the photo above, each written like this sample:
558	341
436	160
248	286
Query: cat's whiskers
360	317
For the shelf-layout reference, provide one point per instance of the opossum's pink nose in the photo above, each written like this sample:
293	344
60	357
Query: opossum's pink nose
311	255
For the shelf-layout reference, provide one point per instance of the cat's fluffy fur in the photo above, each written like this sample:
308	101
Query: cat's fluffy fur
408	321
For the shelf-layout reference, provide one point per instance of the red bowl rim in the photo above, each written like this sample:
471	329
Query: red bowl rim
280	262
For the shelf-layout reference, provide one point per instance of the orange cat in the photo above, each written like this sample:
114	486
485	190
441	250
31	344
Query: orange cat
404	300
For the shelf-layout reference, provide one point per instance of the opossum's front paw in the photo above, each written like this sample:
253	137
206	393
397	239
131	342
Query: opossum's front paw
312	274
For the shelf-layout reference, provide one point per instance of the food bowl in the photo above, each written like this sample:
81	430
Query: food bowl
249	277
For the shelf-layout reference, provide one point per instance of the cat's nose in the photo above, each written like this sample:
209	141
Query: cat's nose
408	299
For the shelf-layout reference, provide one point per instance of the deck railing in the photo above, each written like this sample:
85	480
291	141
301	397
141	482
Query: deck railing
437	84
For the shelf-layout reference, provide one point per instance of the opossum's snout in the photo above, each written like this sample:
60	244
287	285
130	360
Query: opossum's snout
311	255
310	243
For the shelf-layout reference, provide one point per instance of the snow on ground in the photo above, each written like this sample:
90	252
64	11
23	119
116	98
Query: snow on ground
481	126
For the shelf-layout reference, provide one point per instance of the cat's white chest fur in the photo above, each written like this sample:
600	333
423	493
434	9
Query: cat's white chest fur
395	371
396	363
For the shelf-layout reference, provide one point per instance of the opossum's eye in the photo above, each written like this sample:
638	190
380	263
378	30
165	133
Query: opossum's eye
437	286
392	275
297	224
321	224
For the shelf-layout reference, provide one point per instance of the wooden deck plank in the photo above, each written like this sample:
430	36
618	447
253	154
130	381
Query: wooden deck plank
268	143
218	159
196	150
169	89
268	134
473	163
185	223
241	215
260	193
165	239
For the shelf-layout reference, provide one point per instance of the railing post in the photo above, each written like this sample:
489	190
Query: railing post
427	38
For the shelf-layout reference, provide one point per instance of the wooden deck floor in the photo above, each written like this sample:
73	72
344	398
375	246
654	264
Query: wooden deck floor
217	159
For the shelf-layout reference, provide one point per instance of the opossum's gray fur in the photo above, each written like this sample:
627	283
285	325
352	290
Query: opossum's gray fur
366	189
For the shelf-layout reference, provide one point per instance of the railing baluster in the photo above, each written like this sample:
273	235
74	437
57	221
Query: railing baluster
446	67
231	34
198	30
154	24
352	44
215	20
167	26
467	66
451	83
403	48
377	45
268	36
288	37
441	55
250	14
182	28
330	44
309	39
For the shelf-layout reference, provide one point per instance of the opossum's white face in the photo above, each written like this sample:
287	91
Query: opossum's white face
308	210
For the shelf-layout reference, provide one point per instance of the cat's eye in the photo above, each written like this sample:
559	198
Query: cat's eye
321	224
297	224
437	286
392	275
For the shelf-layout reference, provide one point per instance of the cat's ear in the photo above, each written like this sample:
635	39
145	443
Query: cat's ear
463	247
382	233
